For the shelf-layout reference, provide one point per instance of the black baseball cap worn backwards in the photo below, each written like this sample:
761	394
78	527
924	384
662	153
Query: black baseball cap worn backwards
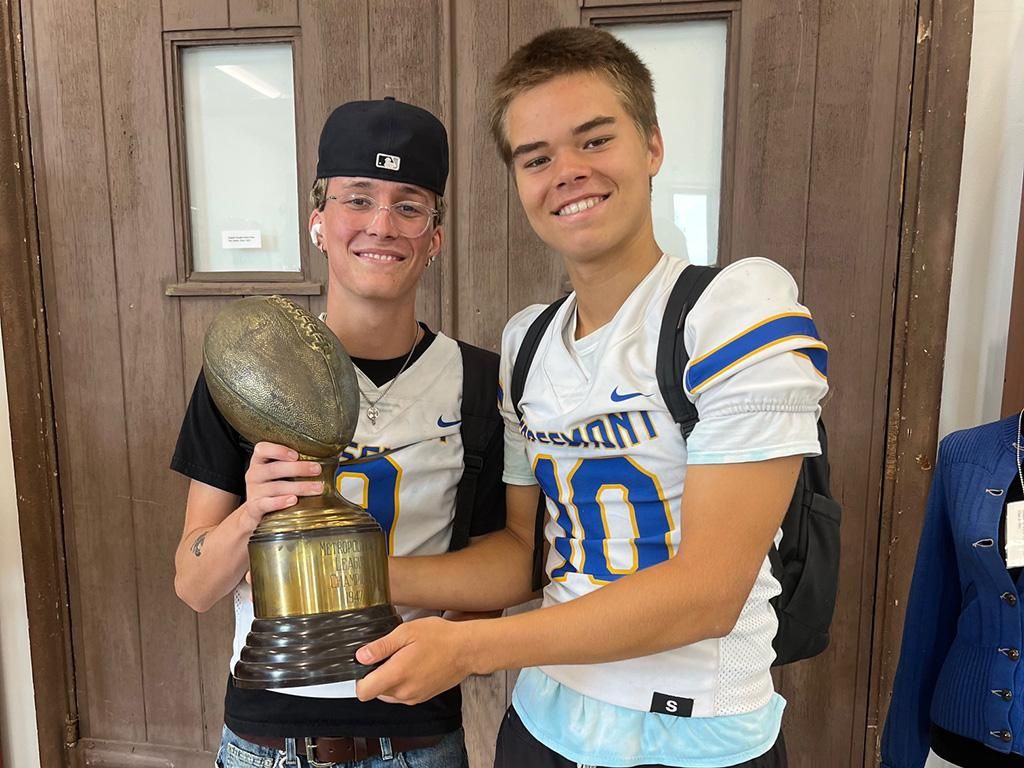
385	139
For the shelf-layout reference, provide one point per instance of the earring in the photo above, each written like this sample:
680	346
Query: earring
314	235
430	260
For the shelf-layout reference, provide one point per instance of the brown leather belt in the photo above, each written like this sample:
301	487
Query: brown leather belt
344	749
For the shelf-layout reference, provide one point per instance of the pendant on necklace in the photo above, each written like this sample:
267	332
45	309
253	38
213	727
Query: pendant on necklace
372	413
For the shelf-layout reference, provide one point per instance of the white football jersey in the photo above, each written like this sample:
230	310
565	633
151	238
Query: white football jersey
411	492
600	441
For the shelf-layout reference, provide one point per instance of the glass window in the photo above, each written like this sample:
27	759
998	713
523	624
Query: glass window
239	106
687	60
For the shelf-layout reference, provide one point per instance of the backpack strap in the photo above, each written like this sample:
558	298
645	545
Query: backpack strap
528	350
520	370
481	424
672	357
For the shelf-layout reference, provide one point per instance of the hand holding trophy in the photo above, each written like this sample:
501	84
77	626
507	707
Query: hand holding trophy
319	568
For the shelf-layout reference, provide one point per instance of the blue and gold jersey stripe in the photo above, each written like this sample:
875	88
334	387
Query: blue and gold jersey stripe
818	357
768	333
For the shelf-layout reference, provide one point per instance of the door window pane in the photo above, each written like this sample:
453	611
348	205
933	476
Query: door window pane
239	107
687	60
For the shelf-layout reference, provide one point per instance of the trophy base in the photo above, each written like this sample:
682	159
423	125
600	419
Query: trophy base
294	651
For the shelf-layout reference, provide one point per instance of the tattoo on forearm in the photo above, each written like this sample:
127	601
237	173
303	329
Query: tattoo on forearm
197	545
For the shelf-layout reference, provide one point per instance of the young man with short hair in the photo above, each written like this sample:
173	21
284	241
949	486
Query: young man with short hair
377	208
654	642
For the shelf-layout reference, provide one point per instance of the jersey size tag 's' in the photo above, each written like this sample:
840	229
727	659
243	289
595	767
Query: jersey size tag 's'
671	705
1015	534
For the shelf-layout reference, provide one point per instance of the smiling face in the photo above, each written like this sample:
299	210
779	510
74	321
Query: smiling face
583	169
376	263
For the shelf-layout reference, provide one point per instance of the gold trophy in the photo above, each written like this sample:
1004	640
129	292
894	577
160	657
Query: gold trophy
319	568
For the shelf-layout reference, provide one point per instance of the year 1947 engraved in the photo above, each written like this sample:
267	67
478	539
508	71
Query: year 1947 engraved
355	593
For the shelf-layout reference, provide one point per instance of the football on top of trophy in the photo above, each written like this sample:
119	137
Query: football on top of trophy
278	374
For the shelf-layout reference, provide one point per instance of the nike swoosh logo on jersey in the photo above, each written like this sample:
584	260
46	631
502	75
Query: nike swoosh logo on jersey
618	398
445	424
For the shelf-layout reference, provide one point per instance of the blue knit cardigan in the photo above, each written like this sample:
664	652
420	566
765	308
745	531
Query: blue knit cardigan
960	664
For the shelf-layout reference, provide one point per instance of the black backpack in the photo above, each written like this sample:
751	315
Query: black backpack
807	562
483	432
482	429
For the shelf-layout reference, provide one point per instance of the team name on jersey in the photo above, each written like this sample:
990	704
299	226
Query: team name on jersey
358	451
614	430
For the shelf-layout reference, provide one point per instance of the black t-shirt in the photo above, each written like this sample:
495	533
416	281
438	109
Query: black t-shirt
211	451
968	753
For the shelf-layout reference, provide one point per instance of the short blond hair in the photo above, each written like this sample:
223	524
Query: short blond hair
318	200
568	51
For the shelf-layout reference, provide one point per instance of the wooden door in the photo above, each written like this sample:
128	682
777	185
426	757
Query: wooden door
816	111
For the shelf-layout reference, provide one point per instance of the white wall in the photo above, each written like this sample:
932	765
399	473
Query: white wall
17	699
989	210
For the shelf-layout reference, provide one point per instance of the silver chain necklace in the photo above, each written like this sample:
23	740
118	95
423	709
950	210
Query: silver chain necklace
372	413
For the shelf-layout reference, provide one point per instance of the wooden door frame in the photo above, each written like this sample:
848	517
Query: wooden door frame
1013	379
930	195
26	358
931	190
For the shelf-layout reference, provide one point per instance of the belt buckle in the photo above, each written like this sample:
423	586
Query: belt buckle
311	755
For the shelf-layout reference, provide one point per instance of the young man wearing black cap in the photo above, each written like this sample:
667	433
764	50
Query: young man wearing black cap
377	211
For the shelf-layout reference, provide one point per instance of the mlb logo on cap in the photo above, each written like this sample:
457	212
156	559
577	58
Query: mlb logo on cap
388	162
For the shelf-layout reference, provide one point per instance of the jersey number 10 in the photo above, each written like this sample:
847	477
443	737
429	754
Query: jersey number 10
613	516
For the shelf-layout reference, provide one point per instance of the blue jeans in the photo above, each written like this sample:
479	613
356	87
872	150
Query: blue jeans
450	752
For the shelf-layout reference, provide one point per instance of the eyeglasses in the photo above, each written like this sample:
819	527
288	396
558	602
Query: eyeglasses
410	219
